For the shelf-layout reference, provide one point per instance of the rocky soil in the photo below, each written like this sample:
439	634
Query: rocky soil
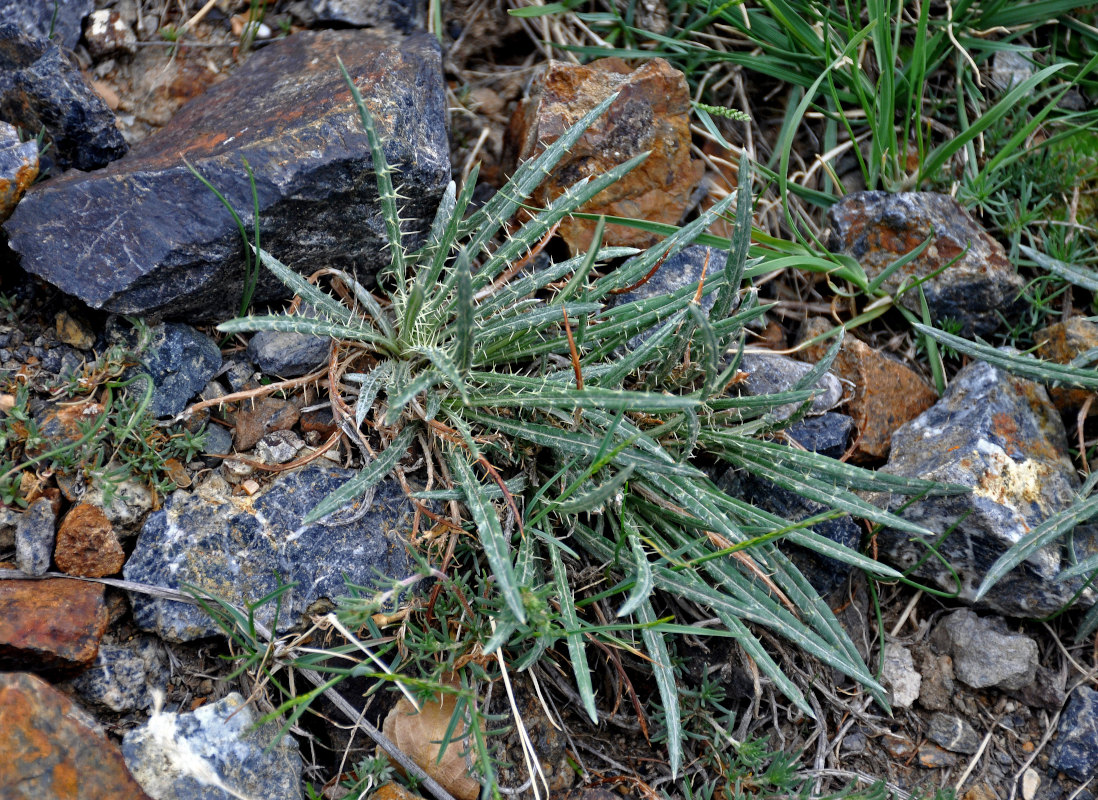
117	263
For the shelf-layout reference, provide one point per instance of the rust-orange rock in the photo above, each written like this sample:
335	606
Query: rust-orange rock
51	750
1062	342
652	112
86	544
50	625
886	393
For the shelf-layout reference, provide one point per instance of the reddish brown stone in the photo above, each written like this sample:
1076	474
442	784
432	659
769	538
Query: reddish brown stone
933	757
393	791
886	393
50	750
1061	343
319	420
253	422
652	113
86	544
50	625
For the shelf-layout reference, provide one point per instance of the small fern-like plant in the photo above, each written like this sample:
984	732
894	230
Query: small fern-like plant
567	448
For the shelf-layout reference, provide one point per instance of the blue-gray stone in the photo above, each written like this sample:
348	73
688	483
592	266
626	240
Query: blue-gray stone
59	21
218	752
1075	752
219	441
288	354
828	434
953	733
677	272
241	551
180	361
771	373
999	435
124	675
34	536
41	89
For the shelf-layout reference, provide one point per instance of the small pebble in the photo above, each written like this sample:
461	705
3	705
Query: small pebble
1031	782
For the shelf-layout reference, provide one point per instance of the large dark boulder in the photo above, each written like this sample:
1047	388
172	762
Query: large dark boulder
145	236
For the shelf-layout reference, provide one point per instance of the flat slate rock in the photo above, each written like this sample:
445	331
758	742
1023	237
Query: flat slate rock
240	549
877	228
60	21
214	753
999	435
145	236
288	354
40	88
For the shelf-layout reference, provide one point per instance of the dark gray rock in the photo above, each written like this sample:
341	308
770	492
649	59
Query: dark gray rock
877	228
34	535
40	88
983	656
18	168
1075	752
999	435
953	733
219	441
145	236
287	354
240	551
828	434
124	675
405	15
824	573
679	271
214	753
59	21
771	373
180	360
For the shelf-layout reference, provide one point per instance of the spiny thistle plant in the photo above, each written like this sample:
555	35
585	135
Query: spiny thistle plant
568	447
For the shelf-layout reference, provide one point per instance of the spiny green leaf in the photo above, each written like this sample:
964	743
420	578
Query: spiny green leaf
368	476
495	544
576	652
